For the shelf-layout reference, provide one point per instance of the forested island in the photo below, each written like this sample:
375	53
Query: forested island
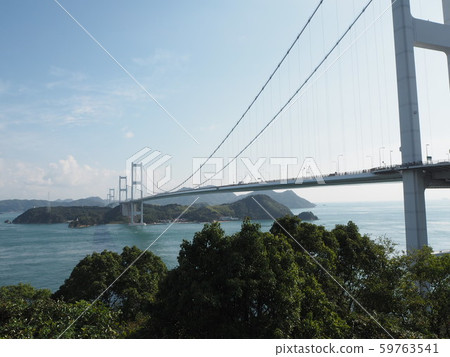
288	198
89	216
307	216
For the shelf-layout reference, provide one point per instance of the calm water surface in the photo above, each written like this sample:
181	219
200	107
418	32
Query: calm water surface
44	255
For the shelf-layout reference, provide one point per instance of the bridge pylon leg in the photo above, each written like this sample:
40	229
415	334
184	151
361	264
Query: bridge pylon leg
413	183
415	209
127	210
135	212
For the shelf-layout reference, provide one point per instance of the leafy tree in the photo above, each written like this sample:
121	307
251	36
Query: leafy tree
131	293
138	287
314	245
91	277
264	281
241	286
330	260
26	312
244	286
425	288
408	295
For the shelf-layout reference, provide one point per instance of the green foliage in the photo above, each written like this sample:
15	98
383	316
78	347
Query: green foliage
26	312
203	214
91	277
243	208
131	293
138	287
243	286
114	215
299	281
87	215
314	245
425	286
247	207
408	295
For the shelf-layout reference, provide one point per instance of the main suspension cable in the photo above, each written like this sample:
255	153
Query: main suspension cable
281	110
256	98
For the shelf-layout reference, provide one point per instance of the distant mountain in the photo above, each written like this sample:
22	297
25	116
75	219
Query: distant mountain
245	207
23	205
249	207
209	199
288	198
88	216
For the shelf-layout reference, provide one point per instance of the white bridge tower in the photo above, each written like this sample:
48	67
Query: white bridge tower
410	32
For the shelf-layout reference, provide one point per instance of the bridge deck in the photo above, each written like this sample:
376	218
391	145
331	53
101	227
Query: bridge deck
439	177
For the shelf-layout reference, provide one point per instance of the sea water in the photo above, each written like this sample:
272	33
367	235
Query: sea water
44	255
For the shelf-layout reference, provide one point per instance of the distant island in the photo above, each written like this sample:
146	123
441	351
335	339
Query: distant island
79	217
288	198
308	216
75	216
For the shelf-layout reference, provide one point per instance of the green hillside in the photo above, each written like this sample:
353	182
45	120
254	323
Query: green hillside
89	216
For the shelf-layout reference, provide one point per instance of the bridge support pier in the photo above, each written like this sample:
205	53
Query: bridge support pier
415	209
136	181
130	210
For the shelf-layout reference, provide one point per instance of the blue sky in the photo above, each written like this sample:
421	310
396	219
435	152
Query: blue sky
70	116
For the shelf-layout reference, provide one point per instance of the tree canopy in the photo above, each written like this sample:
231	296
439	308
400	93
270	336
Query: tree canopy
301	281
131	293
26	312
298	280
243	286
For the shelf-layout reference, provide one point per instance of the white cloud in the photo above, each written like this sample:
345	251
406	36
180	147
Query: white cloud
65	78
65	178
129	135
68	172
162	60
21	180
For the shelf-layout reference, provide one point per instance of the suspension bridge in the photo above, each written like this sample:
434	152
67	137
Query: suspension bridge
314	110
